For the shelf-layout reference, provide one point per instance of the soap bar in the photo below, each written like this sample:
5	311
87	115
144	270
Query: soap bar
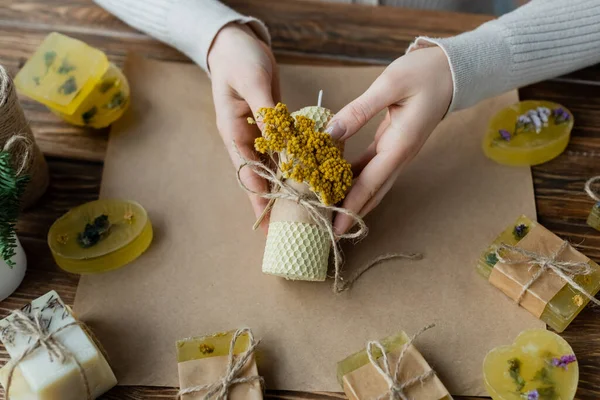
539	365
41	376
75	81
549	298
594	217
203	360
528	133
100	236
361	380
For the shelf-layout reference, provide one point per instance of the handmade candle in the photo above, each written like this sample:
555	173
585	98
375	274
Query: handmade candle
203	362
528	133
362	381
52	356
75	81
100	236
512	263
539	365
315	177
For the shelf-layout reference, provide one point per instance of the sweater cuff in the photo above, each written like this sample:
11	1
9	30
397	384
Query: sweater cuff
193	26
480	62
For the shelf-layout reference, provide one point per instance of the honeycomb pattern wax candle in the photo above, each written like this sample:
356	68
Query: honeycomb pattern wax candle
549	297
539	365
361	380
100	236
75	81
204	361
528	133
42	375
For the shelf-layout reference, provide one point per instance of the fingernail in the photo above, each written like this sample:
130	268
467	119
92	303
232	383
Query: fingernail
336	130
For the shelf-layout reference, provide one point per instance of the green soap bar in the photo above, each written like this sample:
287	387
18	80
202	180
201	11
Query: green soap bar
196	348
594	217
568	302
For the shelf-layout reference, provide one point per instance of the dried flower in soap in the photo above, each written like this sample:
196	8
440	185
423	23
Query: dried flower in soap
49	58
94	232
514	370
520	231
504	134
532	395
65	67
62	238
206	349
307	155
560	115
578	300
564	361
491	259
68	87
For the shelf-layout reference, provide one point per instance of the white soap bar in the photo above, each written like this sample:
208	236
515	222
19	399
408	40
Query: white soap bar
39	376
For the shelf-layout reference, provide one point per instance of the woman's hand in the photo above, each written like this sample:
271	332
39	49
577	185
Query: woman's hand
244	79
416	89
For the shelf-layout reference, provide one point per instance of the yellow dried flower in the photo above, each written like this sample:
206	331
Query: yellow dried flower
305	154
578	300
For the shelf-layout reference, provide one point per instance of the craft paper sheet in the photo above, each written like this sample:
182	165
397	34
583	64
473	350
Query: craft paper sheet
203	272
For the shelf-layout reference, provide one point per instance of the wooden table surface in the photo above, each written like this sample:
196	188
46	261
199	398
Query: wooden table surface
303	32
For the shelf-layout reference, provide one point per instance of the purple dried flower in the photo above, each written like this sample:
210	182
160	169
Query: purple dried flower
560	115
504	134
564	361
533	395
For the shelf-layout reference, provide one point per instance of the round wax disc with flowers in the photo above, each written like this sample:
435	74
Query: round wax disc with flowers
100	236
539	365
528	133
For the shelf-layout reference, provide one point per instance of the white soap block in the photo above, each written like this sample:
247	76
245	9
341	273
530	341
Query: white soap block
40	377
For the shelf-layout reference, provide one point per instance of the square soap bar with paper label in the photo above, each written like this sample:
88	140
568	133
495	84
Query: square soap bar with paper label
361	381
203	360
549	297
75	81
40	375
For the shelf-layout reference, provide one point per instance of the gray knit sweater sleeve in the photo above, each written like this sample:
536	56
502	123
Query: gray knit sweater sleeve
540	40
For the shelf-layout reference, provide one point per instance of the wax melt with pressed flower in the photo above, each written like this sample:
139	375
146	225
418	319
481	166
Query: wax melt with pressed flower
100	236
512	264
528	133
75	81
539	365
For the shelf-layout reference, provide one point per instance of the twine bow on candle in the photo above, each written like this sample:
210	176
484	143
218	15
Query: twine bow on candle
397	390
566	270
22	156
37	329
219	390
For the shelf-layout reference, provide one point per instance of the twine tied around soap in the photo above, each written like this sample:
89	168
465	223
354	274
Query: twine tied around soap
566	270
397	390
282	190
219	390
34	328
588	188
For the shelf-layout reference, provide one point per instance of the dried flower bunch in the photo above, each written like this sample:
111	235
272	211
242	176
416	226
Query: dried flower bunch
535	120
304	154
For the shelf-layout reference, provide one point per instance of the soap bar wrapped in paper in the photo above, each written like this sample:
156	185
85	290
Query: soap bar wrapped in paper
393	364
541	272
219	366
52	355
75	81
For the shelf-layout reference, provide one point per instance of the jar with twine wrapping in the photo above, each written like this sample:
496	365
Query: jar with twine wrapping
26	155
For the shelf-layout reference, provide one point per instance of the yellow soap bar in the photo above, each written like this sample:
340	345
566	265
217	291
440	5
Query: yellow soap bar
539	365
100	236
215	345
528	133
75	81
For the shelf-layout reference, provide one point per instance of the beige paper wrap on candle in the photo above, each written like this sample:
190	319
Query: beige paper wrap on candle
366	383
27	157
296	248
205	371
511	278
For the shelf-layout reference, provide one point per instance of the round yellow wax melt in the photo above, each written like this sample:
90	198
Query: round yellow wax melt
528	133
100	236
539	365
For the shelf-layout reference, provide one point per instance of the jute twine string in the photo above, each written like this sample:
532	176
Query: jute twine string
219	390
397	390
27	155
566	270
34	328
588	188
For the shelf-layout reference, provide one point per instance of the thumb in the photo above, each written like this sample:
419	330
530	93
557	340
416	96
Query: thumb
356	114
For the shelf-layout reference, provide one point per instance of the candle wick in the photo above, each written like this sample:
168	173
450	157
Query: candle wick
320	98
